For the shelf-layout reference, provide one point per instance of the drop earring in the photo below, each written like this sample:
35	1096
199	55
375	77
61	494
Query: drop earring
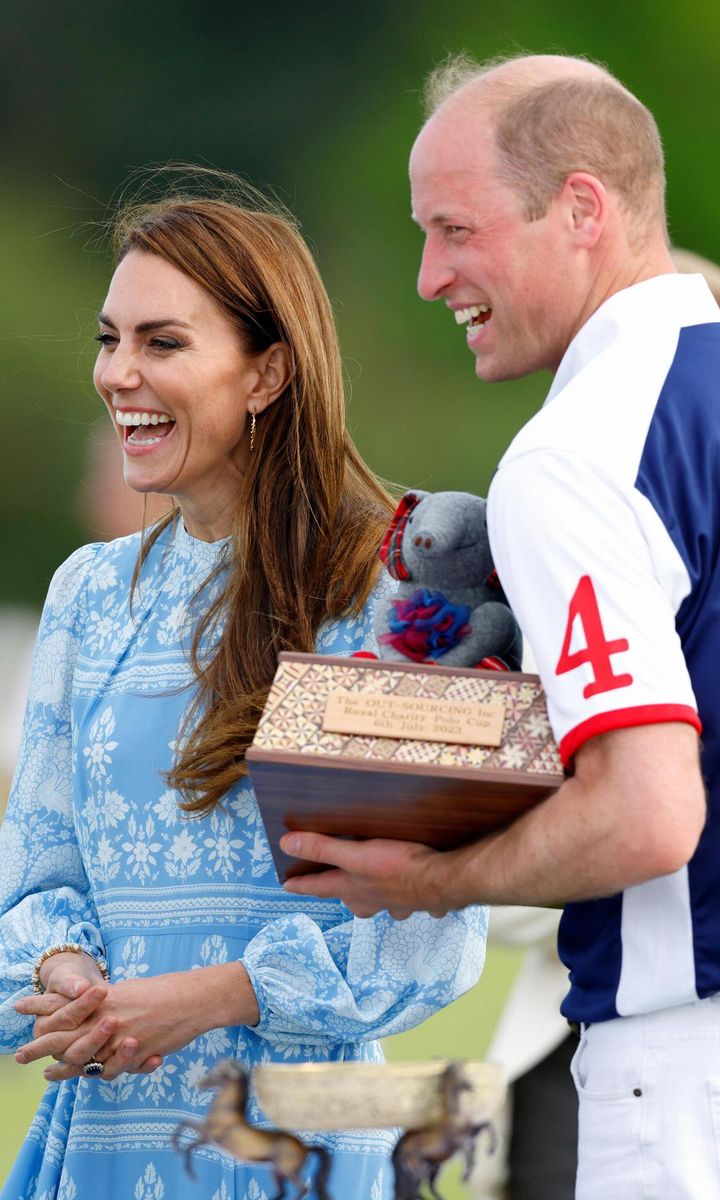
253	421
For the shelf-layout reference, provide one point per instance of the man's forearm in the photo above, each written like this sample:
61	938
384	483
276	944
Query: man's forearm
633	812
555	853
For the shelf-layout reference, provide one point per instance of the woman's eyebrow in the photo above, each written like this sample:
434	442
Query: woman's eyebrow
146	326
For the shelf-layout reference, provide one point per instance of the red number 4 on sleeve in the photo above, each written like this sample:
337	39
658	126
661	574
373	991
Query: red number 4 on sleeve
597	650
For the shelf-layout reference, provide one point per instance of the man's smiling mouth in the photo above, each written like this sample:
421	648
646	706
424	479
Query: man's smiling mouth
476	314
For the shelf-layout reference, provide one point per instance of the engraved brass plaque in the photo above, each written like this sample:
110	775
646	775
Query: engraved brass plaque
374	714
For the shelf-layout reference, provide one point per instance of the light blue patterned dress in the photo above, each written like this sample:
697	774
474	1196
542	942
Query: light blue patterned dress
95	850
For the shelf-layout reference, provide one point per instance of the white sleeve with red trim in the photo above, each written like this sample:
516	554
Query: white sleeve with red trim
595	581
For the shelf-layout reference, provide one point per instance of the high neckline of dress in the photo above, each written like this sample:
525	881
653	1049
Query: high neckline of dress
203	553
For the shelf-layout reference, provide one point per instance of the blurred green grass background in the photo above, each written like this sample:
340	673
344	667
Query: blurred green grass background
322	103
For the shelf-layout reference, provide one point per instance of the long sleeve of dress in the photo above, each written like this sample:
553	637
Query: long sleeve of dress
360	979
44	895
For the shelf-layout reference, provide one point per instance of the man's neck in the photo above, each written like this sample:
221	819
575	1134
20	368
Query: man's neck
614	272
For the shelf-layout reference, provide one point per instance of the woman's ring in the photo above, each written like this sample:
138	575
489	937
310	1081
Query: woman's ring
93	1067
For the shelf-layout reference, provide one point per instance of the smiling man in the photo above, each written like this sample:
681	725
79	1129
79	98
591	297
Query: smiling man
539	186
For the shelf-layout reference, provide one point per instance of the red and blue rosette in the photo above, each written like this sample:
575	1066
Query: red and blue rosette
426	625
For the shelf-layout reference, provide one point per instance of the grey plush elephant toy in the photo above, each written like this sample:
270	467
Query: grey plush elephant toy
449	607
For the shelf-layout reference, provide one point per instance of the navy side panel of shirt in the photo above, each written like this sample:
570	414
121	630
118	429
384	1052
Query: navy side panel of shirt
680	476
679	473
589	938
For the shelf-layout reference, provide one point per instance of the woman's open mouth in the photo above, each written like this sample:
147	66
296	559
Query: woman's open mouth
144	429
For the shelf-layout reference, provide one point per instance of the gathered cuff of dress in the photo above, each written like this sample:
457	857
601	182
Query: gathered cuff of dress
264	1023
22	952
83	935
86	942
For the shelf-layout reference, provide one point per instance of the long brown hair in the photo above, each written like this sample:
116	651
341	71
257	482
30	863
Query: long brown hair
310	514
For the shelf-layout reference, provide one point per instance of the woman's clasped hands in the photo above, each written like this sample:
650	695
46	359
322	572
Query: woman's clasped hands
128	1026
78	1018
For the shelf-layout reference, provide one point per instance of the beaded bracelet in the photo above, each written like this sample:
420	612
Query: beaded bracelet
63	948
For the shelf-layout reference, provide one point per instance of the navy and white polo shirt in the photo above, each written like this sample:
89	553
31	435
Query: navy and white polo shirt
604	520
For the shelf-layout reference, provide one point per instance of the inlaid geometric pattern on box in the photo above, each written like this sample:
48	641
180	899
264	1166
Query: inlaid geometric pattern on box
293	717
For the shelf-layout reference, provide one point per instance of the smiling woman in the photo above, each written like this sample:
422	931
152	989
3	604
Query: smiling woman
143	931
180	388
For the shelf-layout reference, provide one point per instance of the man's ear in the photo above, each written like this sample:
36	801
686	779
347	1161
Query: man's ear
586	201
273	367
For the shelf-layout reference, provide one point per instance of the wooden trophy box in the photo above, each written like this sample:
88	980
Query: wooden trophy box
363	748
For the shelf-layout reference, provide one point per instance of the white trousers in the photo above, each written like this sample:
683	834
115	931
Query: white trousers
649	1092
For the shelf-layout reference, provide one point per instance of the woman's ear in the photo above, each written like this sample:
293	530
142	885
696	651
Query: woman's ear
273	367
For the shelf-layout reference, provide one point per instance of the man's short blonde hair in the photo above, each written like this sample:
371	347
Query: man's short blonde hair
581	120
